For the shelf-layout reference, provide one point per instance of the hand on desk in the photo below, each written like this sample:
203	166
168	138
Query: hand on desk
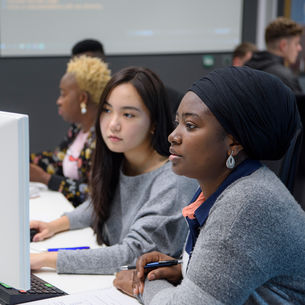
125	281
37	174
48	229
132	282
45	230
47	259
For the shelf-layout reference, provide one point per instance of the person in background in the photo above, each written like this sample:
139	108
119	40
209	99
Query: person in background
67	168
242	53
246	242
282	38
136	197
89	47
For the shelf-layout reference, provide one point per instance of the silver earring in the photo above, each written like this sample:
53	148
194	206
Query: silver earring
230	163
83	108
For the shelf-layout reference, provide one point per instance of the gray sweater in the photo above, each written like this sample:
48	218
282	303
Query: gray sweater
145	216
251	250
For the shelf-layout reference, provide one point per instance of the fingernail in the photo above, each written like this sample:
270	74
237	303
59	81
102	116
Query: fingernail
135	292
152	277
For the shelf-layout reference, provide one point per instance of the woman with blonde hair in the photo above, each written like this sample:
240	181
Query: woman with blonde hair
67	168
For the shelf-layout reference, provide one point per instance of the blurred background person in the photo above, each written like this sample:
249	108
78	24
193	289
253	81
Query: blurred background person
242	53
89	47
282	37
67	168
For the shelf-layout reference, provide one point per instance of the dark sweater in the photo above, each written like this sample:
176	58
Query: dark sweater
273	64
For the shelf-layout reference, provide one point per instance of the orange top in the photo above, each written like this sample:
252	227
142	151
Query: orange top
189	210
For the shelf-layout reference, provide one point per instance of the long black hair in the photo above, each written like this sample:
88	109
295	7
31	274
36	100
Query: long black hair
107	164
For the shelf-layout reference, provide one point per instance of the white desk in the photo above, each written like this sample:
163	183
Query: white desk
51	205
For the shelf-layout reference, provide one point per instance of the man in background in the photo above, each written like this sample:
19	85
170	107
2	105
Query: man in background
282	38
242	53
89	47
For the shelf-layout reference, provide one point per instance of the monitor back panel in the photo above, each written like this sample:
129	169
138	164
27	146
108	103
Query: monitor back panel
14	200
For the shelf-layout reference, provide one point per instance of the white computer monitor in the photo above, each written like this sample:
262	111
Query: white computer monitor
14	200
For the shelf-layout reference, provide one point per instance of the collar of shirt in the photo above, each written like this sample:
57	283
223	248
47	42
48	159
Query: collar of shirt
246	168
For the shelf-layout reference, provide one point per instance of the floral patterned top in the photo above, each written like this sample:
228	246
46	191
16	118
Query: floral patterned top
76	191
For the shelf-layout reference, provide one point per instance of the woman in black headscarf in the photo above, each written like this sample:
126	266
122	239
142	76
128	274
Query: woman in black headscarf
246	243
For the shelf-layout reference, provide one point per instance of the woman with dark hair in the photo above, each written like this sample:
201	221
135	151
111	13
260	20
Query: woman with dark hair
246	242
109	156
133	188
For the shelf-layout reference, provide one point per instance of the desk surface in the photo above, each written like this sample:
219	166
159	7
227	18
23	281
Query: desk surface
49	206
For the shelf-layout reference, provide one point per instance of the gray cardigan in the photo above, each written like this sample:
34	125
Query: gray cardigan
145	216
251	250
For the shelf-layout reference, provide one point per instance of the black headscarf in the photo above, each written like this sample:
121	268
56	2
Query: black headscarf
256	108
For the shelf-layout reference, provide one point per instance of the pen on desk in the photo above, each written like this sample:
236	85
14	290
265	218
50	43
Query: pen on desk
68	248
155	264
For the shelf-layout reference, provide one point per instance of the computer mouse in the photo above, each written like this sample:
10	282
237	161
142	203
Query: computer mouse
32	233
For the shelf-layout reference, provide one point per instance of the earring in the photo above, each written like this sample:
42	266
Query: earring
83	108
230	163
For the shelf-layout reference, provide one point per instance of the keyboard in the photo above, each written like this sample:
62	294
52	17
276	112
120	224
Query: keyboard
39	290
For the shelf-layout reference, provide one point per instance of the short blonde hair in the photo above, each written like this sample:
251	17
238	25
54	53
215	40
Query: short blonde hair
91	74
